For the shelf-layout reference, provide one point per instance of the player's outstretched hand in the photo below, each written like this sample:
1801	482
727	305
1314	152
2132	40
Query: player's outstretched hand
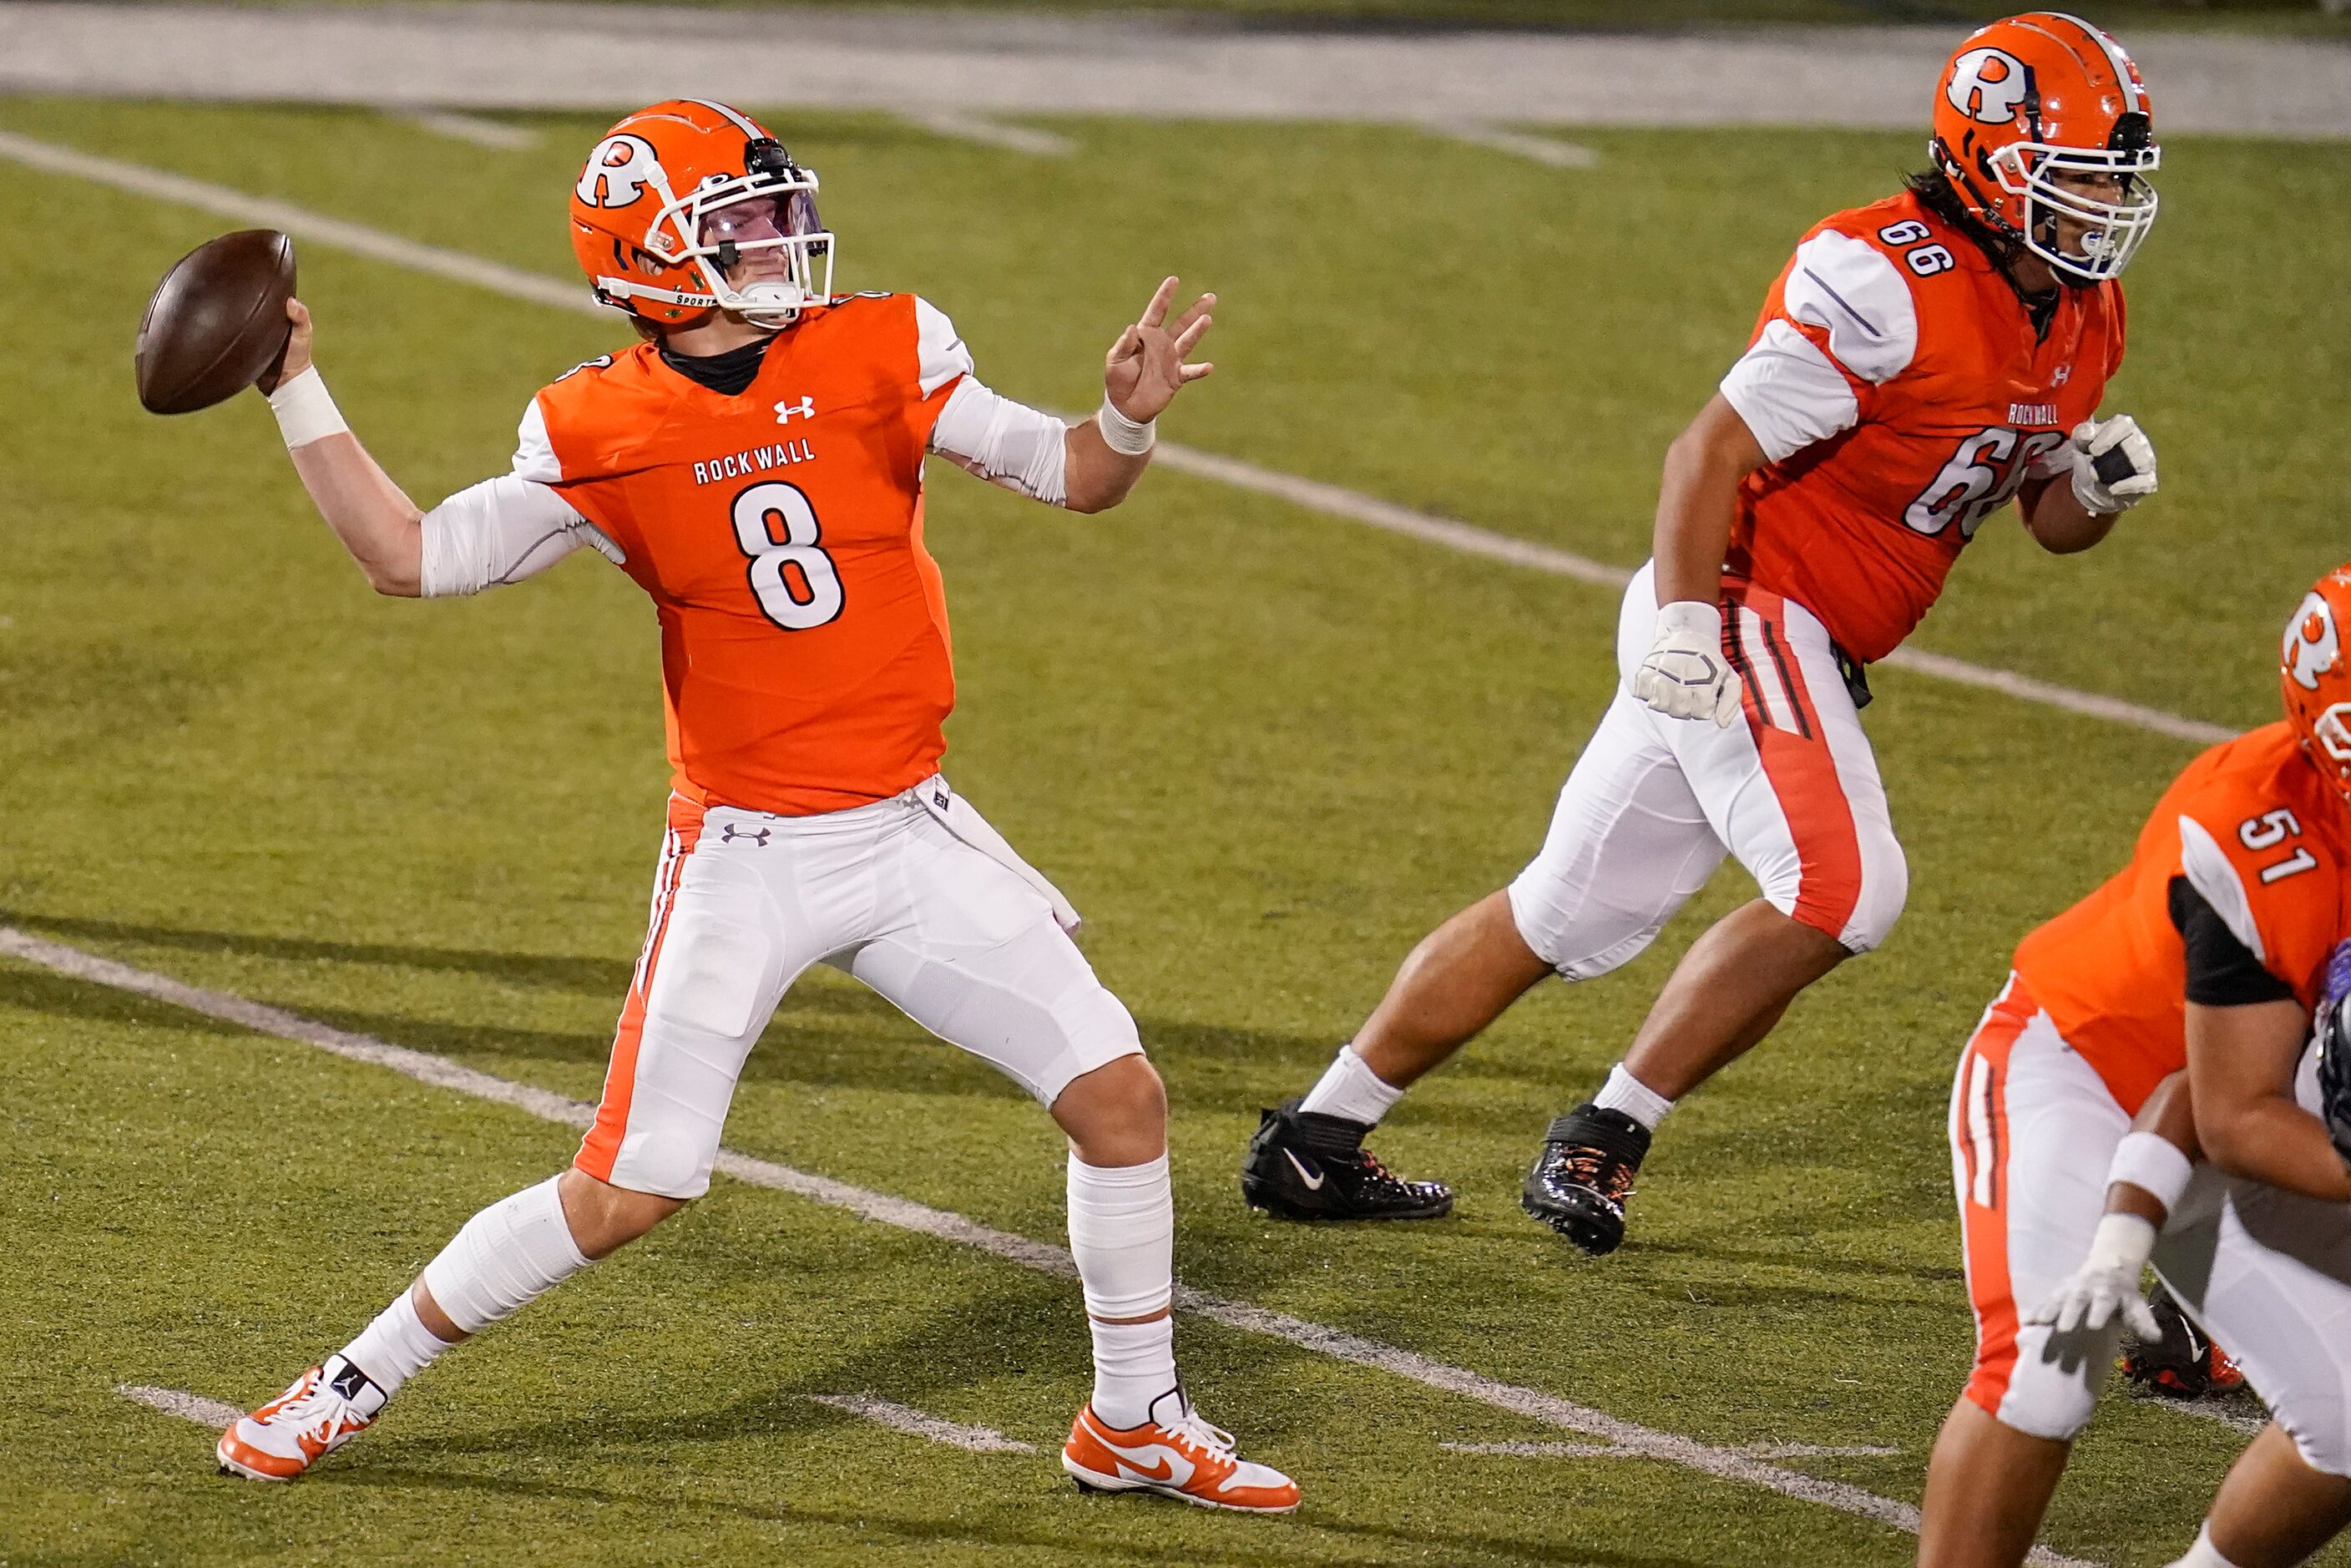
296	357
1144	369
2089	1301
1685	675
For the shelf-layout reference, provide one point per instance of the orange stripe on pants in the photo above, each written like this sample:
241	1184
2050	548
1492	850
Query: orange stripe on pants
602	1145
1800	769
1979	1132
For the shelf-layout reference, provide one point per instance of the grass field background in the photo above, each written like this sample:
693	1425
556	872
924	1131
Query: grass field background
1264	749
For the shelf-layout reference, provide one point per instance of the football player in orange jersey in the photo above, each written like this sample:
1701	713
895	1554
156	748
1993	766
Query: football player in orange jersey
1918	362
2181	992
755	465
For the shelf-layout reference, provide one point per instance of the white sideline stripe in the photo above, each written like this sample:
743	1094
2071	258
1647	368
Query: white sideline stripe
1546	149
904	1214
1312	493
178	1402
1607	1451
474	128
905	1418
986	132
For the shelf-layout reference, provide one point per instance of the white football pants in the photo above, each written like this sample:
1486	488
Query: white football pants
2265	1274
944	922
1654	804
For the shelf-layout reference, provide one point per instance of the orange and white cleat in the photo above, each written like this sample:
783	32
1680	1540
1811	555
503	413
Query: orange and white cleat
326	1408
1187	1460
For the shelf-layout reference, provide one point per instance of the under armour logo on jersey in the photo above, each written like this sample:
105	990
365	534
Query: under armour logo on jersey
732	832
618	172
2312	645
1988	85
787	412
2060	375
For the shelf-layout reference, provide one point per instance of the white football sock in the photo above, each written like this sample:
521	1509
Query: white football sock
1625	1092
395	1348
1350	1089
1122	1235
506	1256
1134	1364
2203	1554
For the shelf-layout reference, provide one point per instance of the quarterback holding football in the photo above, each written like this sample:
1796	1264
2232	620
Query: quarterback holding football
755	465
1918	363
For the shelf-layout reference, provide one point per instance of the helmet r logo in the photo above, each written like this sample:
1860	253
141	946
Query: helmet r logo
2312	646
1988	85
618	172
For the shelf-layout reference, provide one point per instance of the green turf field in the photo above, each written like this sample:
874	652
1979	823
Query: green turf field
1262	747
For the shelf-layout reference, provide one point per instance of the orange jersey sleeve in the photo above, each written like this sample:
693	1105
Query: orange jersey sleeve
805	654
1956	400
2259	834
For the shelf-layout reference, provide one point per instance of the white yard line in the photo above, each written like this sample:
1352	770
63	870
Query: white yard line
473	128
904	1214
961	127
2243	1421
1545	150
932	1428
178	1402
1314	495
1609	1451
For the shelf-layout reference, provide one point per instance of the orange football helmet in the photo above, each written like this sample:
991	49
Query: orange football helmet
2316	680
2030	101
677	197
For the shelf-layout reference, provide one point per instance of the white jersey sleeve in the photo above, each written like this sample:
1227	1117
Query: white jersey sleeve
508	528
939	353
1847	317
1004	442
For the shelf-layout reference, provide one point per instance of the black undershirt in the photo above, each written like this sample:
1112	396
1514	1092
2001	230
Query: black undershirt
2222	971
727	375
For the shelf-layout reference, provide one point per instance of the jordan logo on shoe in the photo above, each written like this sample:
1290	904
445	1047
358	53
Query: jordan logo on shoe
1313	1180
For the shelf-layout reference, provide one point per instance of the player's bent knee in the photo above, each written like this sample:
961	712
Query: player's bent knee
2052	1397
1580	939
1115	1114
1885	888
602	1217
2320	1437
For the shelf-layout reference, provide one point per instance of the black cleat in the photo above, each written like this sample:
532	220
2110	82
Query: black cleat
1584	1175
2182	1364
1302	1164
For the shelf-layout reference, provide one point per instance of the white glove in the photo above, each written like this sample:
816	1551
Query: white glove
1685	675
2107	1282
2094	439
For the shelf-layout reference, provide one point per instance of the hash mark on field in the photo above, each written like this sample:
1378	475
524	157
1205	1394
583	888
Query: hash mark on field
1545	150
1332	500
986	132
178	1402
905	1418
1609	1451
474	129
906	1214
2244	1421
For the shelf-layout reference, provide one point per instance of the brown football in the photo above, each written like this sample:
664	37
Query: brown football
217	322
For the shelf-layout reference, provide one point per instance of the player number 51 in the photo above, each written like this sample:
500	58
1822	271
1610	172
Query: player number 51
2267	832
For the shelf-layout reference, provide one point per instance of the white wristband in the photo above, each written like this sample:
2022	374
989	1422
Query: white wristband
1121	434
2152	1164
305	412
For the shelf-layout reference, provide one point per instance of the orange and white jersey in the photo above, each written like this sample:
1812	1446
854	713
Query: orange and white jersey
1899	387
2259	833
805	650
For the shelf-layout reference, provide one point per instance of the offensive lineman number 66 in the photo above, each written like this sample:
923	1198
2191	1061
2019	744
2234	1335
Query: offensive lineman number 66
791	576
